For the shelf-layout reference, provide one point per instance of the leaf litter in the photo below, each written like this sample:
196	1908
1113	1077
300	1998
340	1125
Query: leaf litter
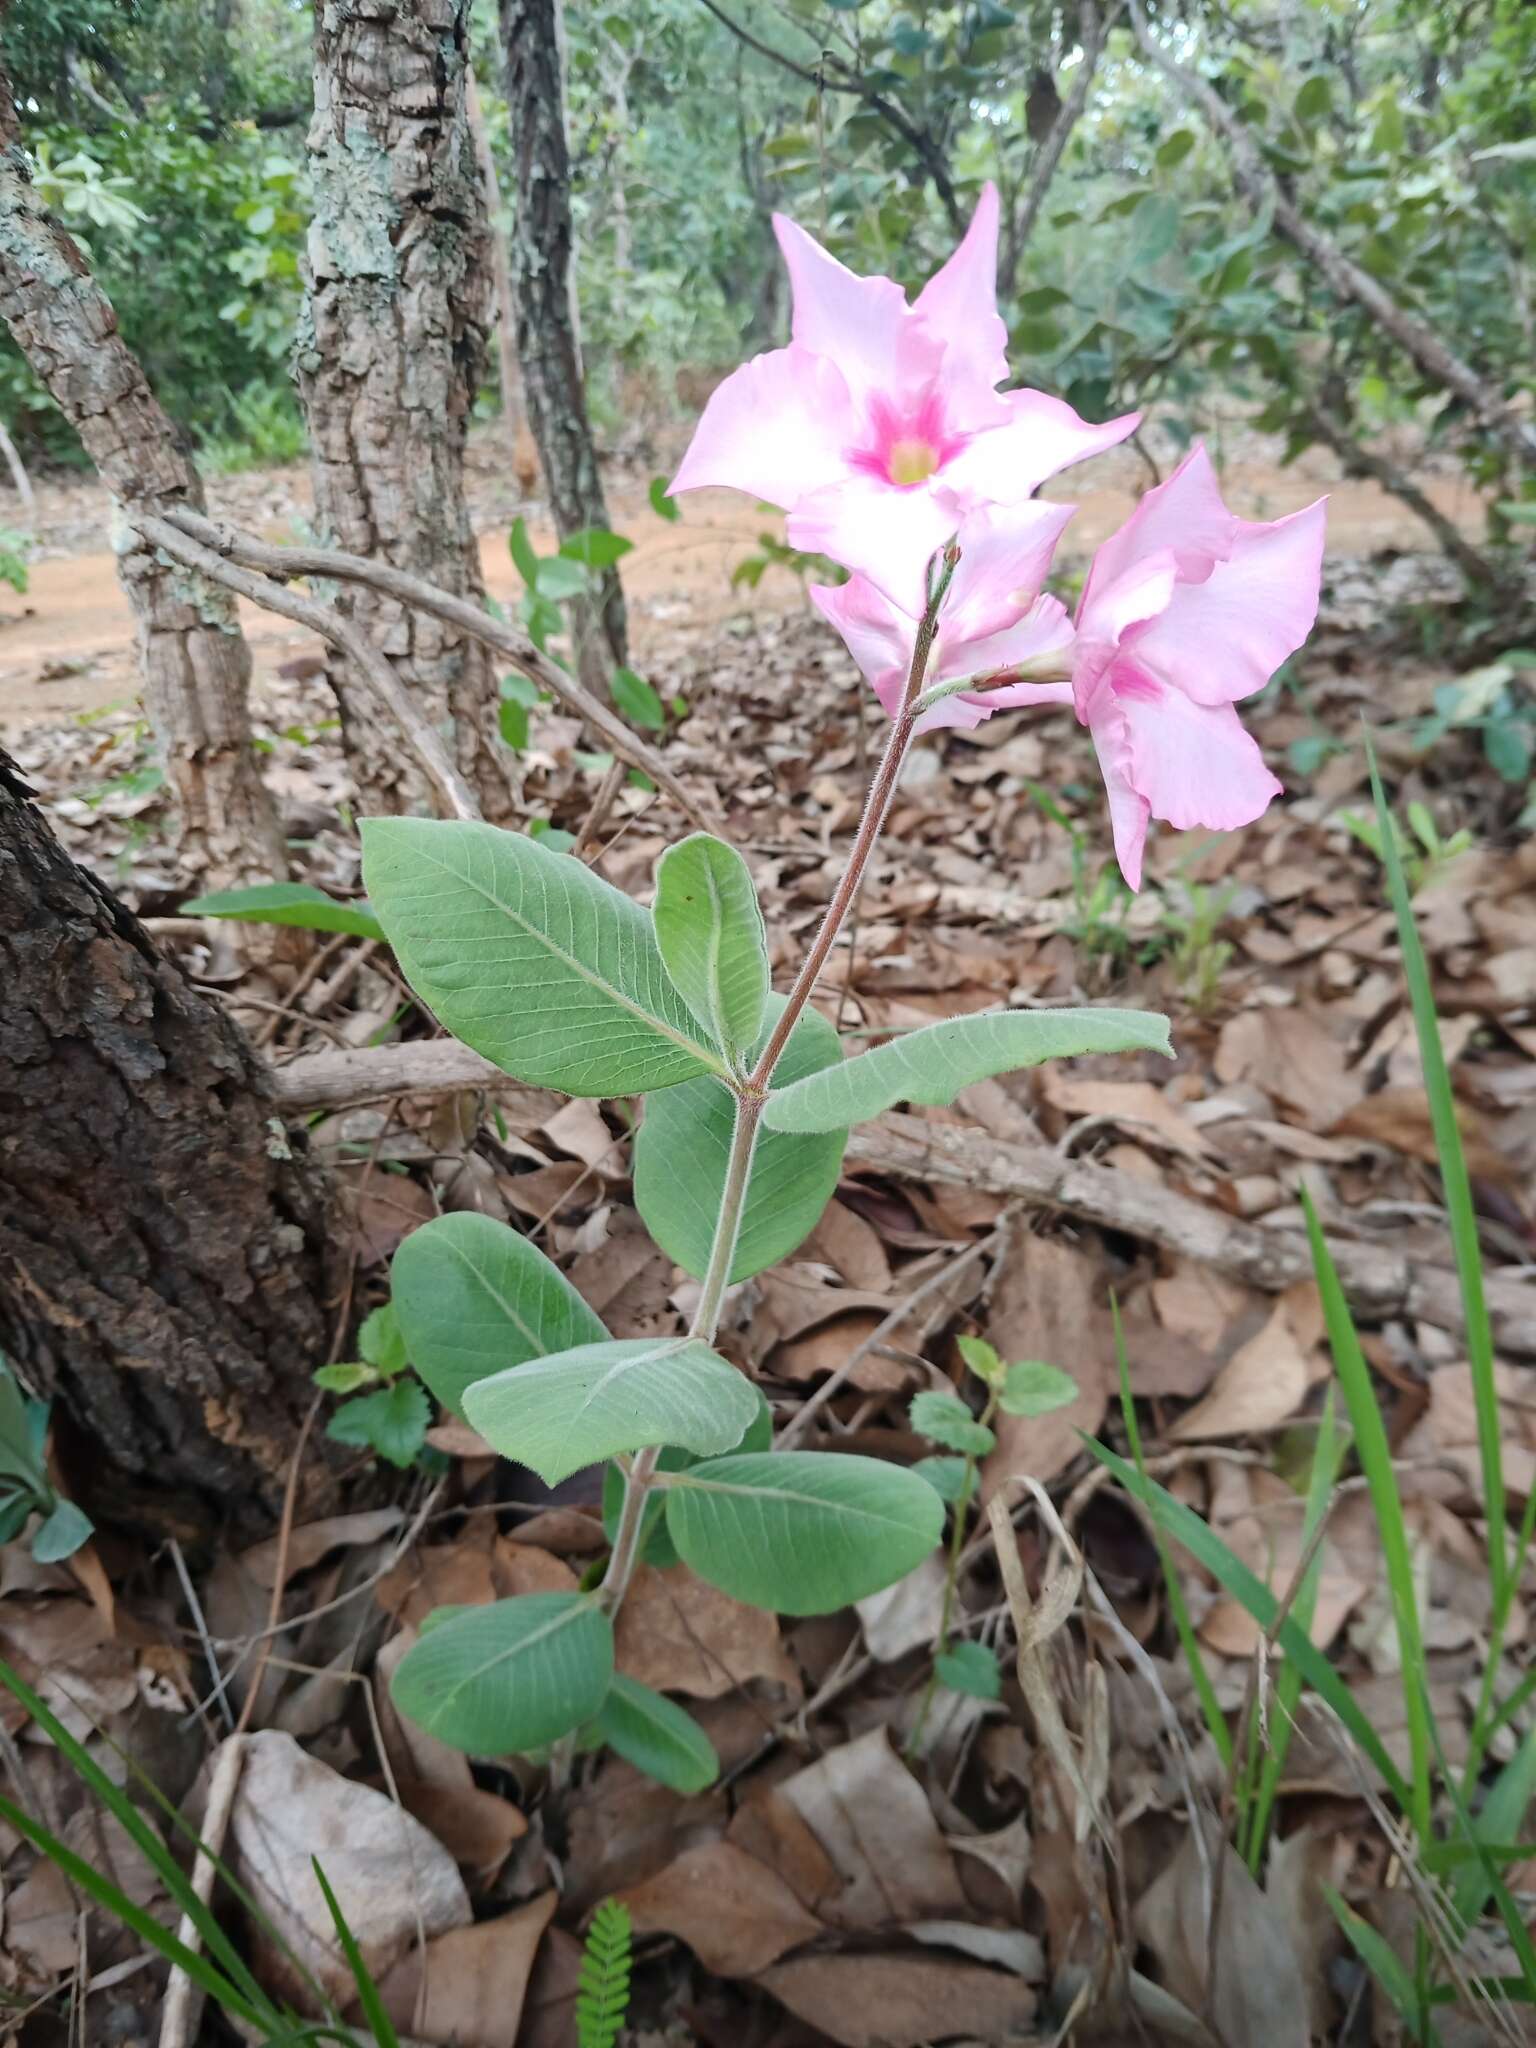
1031	1862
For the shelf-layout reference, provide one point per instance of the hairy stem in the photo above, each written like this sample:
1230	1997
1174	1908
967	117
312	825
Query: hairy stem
753	1092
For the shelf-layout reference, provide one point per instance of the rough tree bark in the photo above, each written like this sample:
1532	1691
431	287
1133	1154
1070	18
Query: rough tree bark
388	359
162	1237
197	667
547	344
525	461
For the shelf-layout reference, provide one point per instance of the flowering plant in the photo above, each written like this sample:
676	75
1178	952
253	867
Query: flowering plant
881	432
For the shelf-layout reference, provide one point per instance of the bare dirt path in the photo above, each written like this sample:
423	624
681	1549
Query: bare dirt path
66	647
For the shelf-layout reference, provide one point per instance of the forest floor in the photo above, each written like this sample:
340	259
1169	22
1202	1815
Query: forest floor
827	1889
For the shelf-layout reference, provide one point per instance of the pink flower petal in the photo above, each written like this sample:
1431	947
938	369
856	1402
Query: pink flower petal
876	634
860	322
1185	513
959	302
1194	763
776	428
1129	812
1042	435
1005	557
878	530
1222	639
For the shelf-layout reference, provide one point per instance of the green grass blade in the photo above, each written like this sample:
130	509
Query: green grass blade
1499	1819
383	2027
1458	1200
1326	1453
1208	1550
149	1930
145	1838
1375	1455
1178	1607
1387	1969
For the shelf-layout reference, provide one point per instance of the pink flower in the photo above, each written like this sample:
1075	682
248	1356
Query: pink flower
994	621
1186	611
881	422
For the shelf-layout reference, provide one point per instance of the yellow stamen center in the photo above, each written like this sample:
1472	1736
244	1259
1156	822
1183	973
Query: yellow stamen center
912	461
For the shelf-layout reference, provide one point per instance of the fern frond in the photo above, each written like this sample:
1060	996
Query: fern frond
602	1995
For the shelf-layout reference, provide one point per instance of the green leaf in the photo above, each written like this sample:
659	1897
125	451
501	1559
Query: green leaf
61	1533
558	579
530	958
524	560
950	1478
1315	100
560	1414
1034	1388
1175	149
602	1978
657	1737
664	507
510	1677
344	1379
946	1420
802	1532
1156	228
713	941
290	903
393	1422
656	1545
474	1297
381	1341
970	1668
596	547
981	1359
680	1154
934	1064
634	696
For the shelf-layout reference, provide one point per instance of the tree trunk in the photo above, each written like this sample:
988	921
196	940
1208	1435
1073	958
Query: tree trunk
197	667
547	344
388	360
162	1236
519	441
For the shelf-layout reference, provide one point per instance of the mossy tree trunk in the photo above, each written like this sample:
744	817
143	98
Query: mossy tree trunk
197	667
388	360
163	1237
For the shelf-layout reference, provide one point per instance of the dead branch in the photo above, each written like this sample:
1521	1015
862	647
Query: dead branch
1254	179
1365	462
282	563
1379	1282
424	741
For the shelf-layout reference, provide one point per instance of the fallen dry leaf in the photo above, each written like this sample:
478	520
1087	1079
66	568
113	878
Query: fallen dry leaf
313	1540
1259	1994
901	2001
390	1876
874	1821
1137	1106
1263	1383
1293	1057
677	1634
736	1914
1049	1303
468	1986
